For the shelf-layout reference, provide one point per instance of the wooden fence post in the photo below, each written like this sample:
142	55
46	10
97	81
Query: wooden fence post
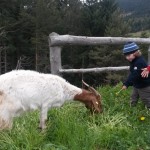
55	56
149	55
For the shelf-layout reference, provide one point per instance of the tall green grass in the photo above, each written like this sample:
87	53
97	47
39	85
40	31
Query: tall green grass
72	127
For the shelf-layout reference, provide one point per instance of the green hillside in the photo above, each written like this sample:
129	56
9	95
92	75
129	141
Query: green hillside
137	7
137	13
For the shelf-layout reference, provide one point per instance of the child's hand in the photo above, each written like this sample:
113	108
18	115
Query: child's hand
145	73
124	87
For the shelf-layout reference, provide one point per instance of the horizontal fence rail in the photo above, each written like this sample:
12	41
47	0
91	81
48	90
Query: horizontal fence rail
62	40
95	70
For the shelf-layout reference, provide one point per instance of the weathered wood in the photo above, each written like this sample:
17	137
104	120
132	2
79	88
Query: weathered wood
61	40
55	58
95	70
56	40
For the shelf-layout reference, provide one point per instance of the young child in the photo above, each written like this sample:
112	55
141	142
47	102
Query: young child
141	86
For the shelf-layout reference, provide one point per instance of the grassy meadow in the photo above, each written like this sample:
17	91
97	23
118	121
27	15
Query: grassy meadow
72	127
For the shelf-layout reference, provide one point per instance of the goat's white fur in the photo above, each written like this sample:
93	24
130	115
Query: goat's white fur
27	90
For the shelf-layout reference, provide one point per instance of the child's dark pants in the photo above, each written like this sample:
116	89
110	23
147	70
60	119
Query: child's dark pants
143	93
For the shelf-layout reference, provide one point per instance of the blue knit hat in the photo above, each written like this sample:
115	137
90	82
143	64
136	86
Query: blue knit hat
130	48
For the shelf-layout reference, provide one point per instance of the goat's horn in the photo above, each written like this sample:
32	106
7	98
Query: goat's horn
85	84
93	90
90	88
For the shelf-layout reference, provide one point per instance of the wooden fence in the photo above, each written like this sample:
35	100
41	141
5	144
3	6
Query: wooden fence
56	42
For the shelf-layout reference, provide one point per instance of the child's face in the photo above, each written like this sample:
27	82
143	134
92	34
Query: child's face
130	57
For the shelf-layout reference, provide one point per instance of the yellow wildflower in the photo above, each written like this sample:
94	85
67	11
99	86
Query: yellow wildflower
142	118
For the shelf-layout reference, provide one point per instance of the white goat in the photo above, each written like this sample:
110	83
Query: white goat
22	91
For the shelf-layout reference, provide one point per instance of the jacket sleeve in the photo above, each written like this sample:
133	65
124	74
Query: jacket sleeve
135	73
148	68
129	81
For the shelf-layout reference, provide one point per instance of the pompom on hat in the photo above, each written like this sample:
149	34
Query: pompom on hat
130	48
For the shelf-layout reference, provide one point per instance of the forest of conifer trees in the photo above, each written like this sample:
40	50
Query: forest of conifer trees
26	24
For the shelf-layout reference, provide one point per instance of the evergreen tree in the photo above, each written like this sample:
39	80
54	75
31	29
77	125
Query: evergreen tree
26	24
96	16
8	27
107	22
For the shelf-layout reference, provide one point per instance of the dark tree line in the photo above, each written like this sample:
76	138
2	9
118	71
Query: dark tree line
137	13
26	24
